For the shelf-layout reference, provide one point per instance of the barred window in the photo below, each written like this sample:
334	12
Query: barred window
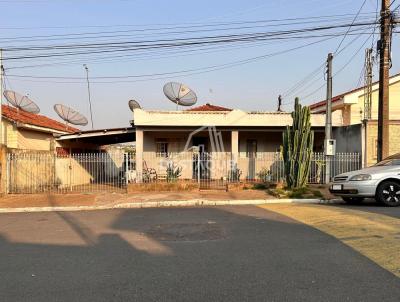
251	148
161	148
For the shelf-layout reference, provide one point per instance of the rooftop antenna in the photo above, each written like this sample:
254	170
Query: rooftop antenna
21	102
89	98
70	115
180	94
279	103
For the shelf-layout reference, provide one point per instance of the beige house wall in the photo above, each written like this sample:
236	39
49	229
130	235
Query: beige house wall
356	103
9	134
372	138
33	140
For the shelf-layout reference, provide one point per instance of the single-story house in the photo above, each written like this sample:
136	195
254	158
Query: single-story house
28	131
249	139
357	134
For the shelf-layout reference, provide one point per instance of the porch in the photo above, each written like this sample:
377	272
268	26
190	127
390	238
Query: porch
212	153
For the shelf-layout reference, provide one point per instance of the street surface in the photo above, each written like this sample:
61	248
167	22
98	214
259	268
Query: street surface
241	253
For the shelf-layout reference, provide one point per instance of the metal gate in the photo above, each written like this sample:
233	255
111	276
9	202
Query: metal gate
210	170
36	172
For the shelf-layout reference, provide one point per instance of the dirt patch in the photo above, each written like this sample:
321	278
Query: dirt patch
162	186
46	200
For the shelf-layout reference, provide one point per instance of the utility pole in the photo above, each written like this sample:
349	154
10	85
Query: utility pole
328	120
383	105
367	100
88	88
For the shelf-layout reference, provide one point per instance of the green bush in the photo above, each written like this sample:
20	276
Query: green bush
173	172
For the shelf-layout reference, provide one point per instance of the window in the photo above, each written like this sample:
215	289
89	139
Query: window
251	148
161	148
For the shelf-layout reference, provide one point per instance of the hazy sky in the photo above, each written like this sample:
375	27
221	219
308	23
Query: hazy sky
253	86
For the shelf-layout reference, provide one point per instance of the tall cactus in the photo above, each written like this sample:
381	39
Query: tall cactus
297	147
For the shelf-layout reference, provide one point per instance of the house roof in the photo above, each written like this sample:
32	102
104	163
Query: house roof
161	120
209	107
102	136
337	98
21	116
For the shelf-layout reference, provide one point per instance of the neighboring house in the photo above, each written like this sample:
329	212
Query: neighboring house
28	131
232	133
362	137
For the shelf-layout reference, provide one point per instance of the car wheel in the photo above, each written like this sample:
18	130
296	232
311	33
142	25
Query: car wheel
353	200
388	193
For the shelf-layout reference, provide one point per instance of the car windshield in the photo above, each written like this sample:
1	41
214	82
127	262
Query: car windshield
389	162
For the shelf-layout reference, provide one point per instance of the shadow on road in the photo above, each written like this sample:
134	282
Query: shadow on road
185	254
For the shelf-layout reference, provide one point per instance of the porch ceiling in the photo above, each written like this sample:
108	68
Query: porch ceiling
101	137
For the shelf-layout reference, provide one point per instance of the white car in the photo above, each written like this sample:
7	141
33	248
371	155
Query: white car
381	181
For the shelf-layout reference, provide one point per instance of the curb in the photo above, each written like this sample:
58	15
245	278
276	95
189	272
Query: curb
163	204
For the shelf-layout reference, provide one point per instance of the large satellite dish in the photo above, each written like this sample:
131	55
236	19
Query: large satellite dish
70	115
133	105
21	101
180	94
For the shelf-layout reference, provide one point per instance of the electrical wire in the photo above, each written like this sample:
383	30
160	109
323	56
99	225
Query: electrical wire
184	72
355	18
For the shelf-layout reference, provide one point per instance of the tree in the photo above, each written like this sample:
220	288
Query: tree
297	147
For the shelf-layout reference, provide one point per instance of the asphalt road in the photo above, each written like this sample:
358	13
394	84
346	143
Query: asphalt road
241	253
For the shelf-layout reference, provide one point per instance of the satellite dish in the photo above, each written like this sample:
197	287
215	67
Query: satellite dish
70	115
133	105
180	94
21	102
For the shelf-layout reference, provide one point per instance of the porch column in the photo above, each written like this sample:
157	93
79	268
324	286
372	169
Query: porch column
235	145
139	155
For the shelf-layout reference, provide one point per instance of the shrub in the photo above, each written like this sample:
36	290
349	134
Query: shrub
173	172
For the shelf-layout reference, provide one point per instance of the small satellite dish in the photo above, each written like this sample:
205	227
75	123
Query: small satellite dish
133	105
21	102
180	94
70	115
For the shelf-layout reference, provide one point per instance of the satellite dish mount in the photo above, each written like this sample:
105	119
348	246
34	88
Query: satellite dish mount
70	116
180	94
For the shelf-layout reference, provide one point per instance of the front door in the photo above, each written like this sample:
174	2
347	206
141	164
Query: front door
251	155
201	161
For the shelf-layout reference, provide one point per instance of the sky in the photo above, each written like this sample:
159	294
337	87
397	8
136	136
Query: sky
254	86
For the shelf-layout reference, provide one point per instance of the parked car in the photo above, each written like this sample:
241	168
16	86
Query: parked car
381	181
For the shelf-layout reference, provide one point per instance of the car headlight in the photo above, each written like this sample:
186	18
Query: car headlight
361	177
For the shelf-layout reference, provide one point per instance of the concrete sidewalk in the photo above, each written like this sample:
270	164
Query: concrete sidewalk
78	202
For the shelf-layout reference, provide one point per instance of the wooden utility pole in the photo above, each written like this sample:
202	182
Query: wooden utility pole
383	105
328	120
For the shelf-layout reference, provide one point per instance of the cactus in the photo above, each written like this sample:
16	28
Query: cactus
297	147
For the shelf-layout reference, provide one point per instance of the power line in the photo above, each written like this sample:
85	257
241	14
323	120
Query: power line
182	24
159	31
315	72
96	48
193	71
355	17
